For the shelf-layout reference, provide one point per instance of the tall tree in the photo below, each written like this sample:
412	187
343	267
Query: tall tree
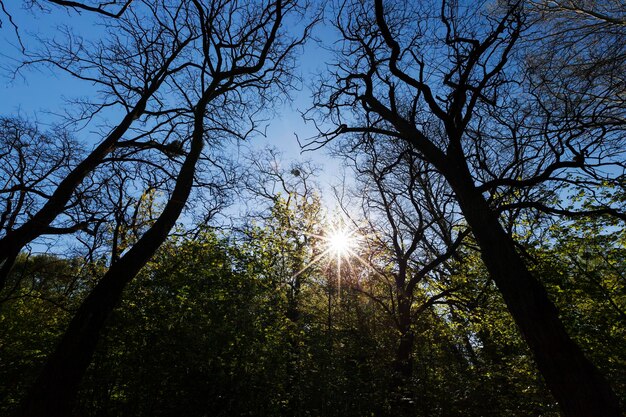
438	76
237	58
130	68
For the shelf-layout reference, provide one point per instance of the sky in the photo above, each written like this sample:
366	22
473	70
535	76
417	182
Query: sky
40	95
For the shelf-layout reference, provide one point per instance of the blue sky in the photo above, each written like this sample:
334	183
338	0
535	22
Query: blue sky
33	93
40	94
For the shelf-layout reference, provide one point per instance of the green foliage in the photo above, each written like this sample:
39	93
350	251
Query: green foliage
36	306
584	264
196	335
212	327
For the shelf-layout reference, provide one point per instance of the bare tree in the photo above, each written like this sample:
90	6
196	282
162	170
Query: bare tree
410	233
237	59
445	78
142	55
32	164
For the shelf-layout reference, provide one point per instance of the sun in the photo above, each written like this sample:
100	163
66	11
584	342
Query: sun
340	242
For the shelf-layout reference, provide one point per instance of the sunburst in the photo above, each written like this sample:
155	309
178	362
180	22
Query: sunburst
339	244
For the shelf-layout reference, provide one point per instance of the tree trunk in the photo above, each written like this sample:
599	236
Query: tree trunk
403	403
54	391
8	259
403	364
575	382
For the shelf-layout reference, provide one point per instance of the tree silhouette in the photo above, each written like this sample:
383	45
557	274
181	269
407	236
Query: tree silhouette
236	57
450	80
